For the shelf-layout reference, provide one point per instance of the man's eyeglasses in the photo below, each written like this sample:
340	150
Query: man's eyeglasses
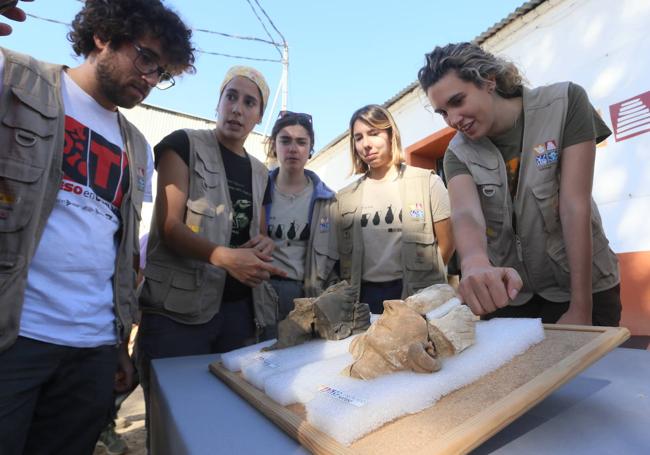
295	114
146	63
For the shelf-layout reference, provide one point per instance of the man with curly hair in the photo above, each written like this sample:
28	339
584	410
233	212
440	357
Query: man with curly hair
73	175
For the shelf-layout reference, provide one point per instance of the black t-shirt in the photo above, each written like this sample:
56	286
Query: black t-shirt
240	186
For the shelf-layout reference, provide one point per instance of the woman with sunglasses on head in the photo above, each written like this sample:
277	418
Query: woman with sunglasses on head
300	216
520	171
206	288
394	233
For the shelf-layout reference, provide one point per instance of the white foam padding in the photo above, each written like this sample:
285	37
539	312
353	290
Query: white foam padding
265	364
301	385
380	400
234	360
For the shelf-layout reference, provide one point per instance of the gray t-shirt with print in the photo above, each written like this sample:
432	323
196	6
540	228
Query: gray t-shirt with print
288	226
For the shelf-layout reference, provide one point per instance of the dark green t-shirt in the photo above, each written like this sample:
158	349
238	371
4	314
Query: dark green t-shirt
582	124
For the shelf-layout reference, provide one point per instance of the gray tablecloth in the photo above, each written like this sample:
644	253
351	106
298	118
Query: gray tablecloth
605	410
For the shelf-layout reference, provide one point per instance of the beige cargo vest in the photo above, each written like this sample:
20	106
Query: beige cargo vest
422	264
321	250
32	122
189	290
536	250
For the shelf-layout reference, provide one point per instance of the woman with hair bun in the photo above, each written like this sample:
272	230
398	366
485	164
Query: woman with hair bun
520	171
394	234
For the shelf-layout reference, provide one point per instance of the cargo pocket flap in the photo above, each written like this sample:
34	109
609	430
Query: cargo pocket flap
30	115
184	280
19	171
202	207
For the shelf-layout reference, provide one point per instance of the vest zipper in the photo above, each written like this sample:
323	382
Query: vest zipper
520	253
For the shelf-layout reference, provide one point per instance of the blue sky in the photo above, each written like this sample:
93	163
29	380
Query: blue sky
342	54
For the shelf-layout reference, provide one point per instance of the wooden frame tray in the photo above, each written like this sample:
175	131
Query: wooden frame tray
463	419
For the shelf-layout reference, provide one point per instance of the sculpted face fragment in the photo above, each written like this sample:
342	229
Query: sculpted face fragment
403	340
397	341
453	332
334	315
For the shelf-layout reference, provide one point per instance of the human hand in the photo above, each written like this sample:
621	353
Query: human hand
486	288
246	265
577	314
261	243
124	375
13	13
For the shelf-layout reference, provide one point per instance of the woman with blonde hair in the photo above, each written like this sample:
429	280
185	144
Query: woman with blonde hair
394	234
520	171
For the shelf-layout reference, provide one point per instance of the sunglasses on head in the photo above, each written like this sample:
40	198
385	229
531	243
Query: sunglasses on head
294	114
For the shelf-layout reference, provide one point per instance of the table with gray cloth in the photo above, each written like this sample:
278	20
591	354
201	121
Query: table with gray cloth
606	409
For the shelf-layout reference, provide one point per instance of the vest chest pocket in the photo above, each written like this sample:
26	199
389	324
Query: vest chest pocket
19	193
325	261
418	250
209	176
32	122
346	241
197	212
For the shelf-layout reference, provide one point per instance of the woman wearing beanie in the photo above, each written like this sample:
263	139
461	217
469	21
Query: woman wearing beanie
205	288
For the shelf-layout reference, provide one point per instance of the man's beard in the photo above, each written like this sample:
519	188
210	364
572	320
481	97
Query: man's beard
111	88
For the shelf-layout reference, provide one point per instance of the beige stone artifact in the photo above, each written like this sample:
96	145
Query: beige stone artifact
338	314
453	332
430	298
397	341
297	327
334	315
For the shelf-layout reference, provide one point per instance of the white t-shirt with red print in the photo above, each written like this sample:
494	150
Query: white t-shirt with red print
69	293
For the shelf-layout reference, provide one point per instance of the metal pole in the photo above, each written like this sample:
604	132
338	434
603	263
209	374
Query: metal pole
285	75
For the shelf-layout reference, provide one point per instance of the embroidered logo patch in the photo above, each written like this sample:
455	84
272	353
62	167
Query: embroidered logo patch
416	211
324	224
546	154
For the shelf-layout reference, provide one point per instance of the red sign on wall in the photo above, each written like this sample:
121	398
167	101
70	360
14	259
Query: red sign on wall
631	117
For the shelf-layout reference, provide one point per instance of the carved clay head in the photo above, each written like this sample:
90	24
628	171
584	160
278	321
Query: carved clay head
398	340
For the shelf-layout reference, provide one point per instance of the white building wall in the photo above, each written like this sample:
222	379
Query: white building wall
603	46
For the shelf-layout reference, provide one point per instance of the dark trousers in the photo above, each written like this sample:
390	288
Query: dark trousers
374	294
160	337
606	310
54	399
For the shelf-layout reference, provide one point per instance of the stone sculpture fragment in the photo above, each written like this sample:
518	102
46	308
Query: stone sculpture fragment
397	341
430	298
334	315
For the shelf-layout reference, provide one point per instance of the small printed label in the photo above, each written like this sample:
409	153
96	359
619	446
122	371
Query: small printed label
267	362
342	396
